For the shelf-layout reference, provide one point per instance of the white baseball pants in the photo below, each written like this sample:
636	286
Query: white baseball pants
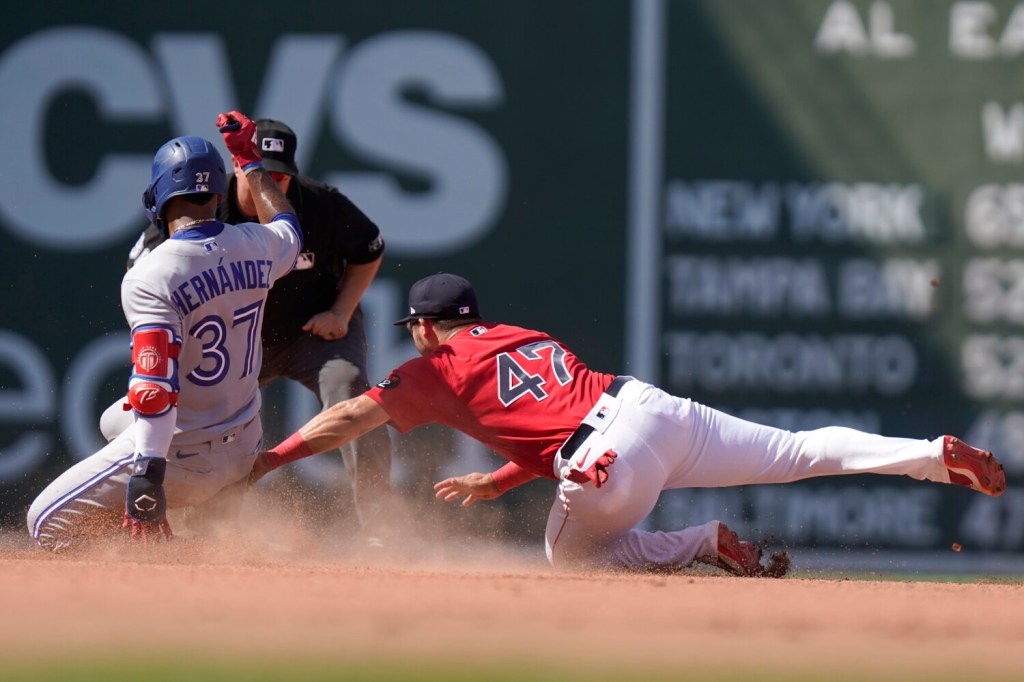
88	500
665	442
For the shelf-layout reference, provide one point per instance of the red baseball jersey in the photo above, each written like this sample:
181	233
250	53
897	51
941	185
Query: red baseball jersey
518	391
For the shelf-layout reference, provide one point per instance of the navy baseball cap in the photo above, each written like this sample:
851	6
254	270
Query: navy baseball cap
441	297
277	143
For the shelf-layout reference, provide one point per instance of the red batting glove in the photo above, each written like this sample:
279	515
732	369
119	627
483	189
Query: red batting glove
597	473
240	137
142	531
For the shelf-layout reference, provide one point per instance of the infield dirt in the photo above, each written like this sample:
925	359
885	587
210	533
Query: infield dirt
497	612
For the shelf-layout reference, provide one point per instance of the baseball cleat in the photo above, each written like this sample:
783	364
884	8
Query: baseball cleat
734	555
973	468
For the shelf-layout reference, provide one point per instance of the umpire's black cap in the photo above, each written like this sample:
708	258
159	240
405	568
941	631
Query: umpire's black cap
277	146
441	297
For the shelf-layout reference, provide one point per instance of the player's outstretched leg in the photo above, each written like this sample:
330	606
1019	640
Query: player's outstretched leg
973	468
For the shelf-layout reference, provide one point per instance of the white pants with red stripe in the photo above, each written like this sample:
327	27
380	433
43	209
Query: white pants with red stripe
664	442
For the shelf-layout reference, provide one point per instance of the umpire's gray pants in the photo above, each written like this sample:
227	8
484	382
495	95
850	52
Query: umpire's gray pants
335	370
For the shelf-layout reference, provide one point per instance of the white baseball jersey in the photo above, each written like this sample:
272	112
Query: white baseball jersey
209	285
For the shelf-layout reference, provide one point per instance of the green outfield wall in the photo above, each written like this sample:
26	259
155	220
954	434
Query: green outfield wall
804	212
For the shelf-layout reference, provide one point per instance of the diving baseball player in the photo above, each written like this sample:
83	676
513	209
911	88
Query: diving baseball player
195	308
613	443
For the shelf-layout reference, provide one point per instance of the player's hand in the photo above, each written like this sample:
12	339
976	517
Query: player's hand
327	325
260	467
239	135
475	486
145	502
596	472
143	532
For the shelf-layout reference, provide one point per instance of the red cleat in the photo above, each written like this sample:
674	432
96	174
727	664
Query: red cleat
973	468
734	555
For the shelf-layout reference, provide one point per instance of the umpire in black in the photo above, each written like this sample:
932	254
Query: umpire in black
313	329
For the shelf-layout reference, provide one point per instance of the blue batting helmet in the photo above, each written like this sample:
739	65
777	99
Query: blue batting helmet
185	165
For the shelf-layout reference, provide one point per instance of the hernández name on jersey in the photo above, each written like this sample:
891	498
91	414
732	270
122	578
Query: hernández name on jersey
220	279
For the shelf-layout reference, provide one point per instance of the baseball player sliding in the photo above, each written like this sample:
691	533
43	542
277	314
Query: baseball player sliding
613	443
195	307
313	323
